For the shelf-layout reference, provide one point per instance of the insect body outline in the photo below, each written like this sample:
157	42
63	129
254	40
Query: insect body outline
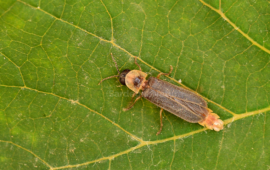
179	101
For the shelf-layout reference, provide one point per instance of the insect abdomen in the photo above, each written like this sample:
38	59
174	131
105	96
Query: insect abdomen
176	100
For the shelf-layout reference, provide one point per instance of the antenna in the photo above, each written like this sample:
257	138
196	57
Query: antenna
114	75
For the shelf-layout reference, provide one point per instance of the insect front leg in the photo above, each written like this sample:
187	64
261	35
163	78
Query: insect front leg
135	60
132	104
165	74
134	94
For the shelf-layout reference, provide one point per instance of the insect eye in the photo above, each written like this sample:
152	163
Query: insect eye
123	76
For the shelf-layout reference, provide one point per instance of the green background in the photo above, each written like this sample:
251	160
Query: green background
54	115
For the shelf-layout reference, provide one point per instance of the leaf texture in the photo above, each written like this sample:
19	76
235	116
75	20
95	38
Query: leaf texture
54	115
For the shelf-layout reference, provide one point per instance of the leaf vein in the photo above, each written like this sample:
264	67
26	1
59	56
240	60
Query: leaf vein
236	28
117	46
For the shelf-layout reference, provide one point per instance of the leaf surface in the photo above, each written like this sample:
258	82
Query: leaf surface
54	115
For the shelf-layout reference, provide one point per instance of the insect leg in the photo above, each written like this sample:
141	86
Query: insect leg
134	94
135	60
161	124
166	74
132	104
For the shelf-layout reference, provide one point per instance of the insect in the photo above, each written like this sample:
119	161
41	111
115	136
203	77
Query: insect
179	101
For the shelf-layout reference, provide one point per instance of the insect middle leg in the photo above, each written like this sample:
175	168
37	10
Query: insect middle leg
132	104
165	74
161	124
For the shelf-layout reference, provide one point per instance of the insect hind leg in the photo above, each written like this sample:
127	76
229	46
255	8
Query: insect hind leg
161	124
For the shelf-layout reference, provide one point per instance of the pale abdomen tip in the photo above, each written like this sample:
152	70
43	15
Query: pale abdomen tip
212	122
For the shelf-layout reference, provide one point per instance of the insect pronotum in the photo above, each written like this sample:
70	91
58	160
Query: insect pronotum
177	100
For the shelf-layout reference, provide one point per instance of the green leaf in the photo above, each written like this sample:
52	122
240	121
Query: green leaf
54	115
